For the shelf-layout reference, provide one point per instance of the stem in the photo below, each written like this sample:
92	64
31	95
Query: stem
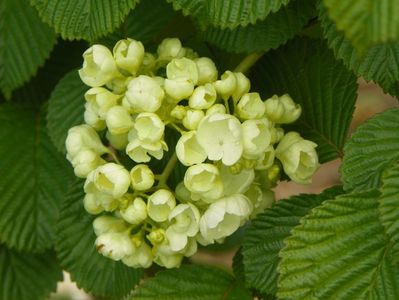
248	62
113	155
167	171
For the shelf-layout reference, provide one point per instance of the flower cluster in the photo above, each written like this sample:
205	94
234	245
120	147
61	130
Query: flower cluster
231	147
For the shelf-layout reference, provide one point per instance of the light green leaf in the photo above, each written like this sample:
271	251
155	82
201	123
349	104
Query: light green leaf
83	19
365	22
308	71
66	108
389	206
27	276
264	35
192	282
34	177
378	63
372	147
340	251
265	236
77	254
228	13
25	43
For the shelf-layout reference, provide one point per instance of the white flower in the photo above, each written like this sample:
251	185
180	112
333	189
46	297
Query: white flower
141	258
298	156
142	177
119	120
105	224
223	217
156	236
98	66
149	127
111	179
216	109
136	212
220	135
188	151
129	55
170	48
184	219
282	110
250	106
243	85
101	100
160	204
260	198
144	94
182	68
91	205
227	85
178	89
103	201
207	71
83	137
237	183
256	138
192	118
203	181
114	245
138	150
86	161
165	257
203	97
267	159
117	141
92	118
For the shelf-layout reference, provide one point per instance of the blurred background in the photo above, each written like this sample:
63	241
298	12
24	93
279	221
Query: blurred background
371	100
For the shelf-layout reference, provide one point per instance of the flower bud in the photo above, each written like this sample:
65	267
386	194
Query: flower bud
203	97
266	160
86	161
138	150
193	118
114	245
178	89
136	212
298	156
236	183
119	120
90	204
170	48
142	177
83	137
227	85
160	204
148	64
277	134
261	199
188	151
216	109
118	85
282	110
207	71
156	236
190	53
182	68
117	141
129	55
250	106
141	258
92	118
178	112
203	181
105	224
149	127
144	94
101	100
242	87
168	260
256	138
98	66
106	202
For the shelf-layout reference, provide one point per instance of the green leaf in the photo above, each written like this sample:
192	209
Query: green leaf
34	178
372	147
77	254
192	282
25	43
389	206
27	276
264	35
378	62
266	234
340	251
238	266
228	13
308	71
66	108
83	19
365	22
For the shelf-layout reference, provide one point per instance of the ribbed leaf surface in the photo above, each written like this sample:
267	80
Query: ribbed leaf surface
389	206
77	254
340	251
378	63
34	178
27	276
25	43
365	22
308	71
83	19
372	148
265	237
228	13
66	108
192	282
264	35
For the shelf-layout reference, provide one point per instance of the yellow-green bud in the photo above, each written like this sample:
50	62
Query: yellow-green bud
102	100
142	177
160	204
188	151
207	71
170	48
178	89
178	112
156	236
282	110
114	245
149	127
92	118
182	68
136	212
119	120
203	97
227	85
193	118
117	141
129	55
250	106
216	109
86	161
90	204
243	85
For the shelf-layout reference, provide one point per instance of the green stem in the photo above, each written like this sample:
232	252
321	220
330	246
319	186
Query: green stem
163	178
248	62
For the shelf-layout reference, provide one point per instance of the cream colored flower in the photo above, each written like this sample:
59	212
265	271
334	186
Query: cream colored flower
144	94
129	55
160	204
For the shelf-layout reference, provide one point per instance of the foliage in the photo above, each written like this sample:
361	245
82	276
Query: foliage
340	244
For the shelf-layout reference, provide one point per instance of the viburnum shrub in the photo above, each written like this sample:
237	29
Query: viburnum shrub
137	134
